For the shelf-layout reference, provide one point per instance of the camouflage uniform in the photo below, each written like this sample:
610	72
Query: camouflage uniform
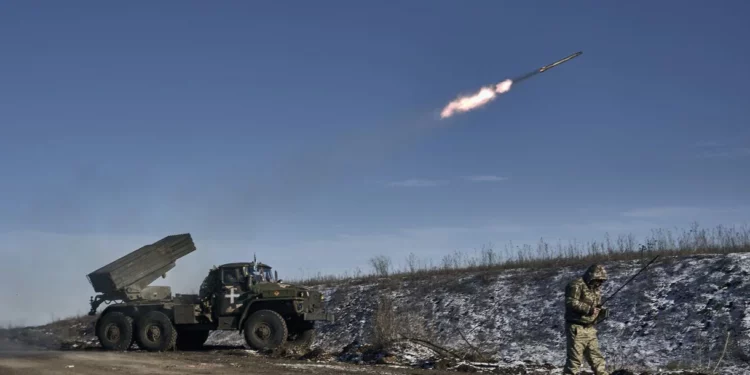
580	300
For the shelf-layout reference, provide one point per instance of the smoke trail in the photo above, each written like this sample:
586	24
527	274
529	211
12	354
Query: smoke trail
484	96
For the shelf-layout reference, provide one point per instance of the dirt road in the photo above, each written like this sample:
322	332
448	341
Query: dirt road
176	363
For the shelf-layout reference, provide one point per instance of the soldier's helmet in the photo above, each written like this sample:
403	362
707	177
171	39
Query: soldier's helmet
595	272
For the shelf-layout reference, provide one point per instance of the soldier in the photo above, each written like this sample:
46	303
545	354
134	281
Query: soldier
582	300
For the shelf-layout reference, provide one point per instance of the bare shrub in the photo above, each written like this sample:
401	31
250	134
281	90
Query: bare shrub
381	264
390	323
489	257
447	262
385	328
411	263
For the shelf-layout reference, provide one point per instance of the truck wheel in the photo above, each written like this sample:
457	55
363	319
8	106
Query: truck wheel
115	331
302	339
155	332
190	339
265	330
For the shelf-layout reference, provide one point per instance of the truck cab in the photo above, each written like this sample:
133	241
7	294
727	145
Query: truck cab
248	297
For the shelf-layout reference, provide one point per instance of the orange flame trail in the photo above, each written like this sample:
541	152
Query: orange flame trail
484	96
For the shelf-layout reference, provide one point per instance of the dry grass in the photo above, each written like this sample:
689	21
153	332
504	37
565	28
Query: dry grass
385	327
391	323
694	241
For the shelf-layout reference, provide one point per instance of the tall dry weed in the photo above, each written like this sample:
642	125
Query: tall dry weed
392	323
693	241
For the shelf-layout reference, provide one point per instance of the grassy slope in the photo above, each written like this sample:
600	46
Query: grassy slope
694	241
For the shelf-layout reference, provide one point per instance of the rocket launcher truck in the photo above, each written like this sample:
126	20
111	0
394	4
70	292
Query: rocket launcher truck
242	296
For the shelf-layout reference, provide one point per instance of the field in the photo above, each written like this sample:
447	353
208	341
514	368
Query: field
493	311
226	361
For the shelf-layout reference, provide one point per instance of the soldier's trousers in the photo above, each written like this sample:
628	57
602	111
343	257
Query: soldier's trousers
582	343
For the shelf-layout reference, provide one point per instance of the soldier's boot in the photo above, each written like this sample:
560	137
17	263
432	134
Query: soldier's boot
575	347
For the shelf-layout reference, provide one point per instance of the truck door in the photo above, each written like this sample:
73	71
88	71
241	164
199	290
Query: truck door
232	281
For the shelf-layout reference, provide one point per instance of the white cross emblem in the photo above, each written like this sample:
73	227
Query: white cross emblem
231	295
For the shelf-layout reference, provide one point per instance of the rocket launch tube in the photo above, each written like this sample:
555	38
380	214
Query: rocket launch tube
545	68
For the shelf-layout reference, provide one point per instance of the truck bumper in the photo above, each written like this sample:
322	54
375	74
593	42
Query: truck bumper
320	315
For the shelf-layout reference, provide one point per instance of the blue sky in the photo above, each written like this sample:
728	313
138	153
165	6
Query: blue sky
308	133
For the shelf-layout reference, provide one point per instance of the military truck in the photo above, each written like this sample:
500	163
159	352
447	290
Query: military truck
242	296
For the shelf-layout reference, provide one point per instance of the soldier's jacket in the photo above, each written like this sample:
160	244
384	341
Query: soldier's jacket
580	300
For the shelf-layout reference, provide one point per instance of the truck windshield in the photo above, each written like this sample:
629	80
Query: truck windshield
267	274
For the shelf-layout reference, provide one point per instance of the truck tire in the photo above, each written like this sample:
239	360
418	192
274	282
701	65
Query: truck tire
191	339
265	330
155	332
115	331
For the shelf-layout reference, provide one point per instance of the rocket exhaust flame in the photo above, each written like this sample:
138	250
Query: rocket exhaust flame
489	93
484	96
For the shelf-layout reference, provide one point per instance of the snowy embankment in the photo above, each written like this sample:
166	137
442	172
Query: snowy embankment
677	313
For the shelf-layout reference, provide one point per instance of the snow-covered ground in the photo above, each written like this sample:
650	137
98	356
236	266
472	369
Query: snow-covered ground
676	313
